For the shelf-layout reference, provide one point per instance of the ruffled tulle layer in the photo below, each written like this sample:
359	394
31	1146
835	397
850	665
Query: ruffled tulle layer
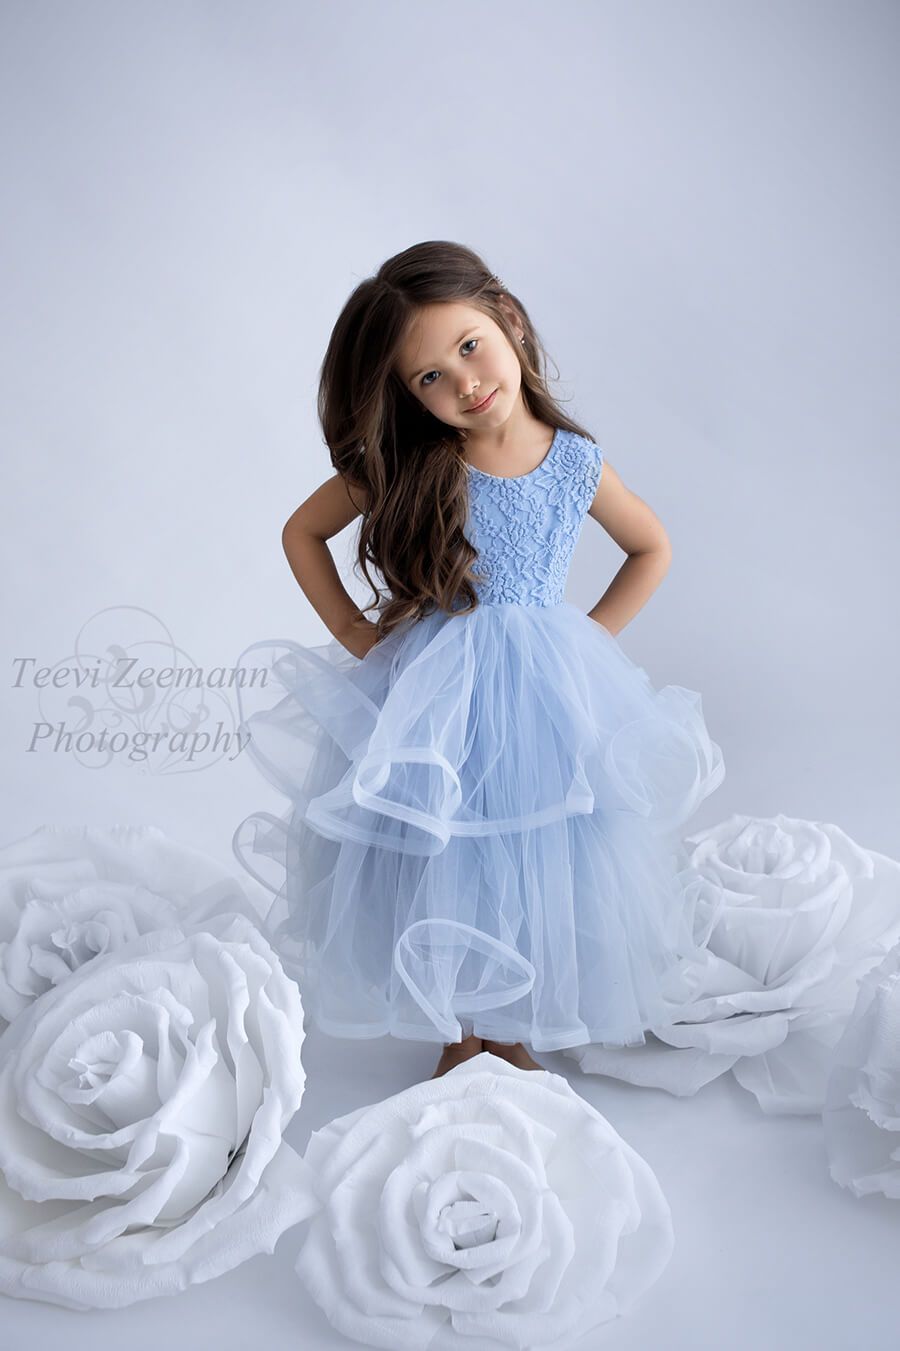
483	829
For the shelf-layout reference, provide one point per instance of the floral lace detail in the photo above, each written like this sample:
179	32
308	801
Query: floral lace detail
525	528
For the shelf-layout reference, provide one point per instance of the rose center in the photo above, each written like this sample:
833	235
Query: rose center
468	1223
80	941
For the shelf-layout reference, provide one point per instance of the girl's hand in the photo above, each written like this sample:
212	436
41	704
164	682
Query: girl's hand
360	637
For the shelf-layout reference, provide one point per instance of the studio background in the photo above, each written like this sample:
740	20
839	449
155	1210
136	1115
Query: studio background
697	202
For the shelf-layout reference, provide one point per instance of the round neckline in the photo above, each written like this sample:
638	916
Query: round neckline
513	478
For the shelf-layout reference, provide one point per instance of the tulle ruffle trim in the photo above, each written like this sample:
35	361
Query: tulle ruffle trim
501	720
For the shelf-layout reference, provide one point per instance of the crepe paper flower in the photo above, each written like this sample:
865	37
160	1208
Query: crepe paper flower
142	1106
491	1207
69	894
804	913
861	1116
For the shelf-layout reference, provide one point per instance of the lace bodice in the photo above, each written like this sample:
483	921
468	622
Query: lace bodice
525	528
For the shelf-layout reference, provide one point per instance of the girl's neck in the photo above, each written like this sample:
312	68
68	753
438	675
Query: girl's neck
514	448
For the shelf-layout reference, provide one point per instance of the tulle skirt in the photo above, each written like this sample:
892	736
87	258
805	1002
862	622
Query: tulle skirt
484	828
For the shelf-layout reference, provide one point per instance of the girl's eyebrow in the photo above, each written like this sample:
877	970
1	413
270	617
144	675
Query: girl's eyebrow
428	368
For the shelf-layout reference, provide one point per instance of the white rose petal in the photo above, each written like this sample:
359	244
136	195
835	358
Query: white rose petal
490	1207
70	894
142	1106
862	1102
803	912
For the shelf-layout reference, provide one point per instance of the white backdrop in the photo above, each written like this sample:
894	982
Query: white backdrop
697	202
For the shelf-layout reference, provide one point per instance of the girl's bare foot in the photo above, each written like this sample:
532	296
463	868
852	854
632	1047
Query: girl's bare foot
515	1054
455	1052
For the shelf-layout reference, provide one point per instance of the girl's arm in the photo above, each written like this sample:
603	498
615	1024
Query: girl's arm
324	514
640	532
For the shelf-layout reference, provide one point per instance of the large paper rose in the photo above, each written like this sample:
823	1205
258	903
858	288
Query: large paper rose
802	914
491	1204
862	1101
69	894
142	1105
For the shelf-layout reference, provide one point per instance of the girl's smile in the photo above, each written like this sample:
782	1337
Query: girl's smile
483	406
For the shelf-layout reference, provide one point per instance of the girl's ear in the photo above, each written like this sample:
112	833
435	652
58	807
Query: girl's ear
510	309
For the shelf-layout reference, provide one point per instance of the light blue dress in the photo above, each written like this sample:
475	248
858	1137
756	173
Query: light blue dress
485	811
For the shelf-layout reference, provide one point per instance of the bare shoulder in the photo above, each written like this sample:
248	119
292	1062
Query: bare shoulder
328	510
625	517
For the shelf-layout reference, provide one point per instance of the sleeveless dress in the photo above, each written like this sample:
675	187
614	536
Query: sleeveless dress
484	824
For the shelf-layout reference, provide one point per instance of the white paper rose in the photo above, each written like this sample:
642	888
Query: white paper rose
70	894
862	1101
803	913
142	1105
491	1207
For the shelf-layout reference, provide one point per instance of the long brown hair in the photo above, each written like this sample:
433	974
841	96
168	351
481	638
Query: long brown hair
407	466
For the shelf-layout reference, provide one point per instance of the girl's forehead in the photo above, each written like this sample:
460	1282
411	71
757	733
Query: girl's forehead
443	314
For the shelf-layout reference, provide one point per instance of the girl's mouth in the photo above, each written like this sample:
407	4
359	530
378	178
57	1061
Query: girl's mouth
483	406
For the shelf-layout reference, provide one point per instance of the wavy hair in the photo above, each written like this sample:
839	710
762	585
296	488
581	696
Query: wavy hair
408	466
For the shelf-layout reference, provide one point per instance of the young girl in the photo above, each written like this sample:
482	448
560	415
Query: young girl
481	848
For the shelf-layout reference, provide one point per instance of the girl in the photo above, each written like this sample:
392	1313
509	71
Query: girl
485	791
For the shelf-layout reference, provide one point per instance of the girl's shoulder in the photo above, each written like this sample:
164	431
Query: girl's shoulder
578	464
580	446
573	454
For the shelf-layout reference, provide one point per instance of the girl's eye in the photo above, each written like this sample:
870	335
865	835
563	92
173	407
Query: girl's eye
425	381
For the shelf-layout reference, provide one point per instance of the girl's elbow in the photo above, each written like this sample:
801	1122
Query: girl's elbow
659	548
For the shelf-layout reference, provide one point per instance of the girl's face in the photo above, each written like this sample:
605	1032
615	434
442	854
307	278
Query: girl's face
454	356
